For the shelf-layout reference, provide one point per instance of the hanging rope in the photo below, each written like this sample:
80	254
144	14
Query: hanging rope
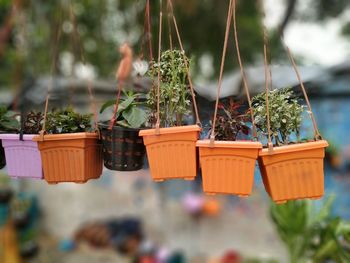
159	58
317	134
268	79
82	57
244	77
50	84
228	26
198	122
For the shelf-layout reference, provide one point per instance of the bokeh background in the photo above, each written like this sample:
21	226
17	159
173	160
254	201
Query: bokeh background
317	31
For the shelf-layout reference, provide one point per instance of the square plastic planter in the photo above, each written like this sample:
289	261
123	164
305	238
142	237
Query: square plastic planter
228	166
294	172
123	148
22	156
73	157
172	153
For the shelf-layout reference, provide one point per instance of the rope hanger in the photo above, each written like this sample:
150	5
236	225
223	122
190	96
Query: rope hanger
82	57
232	16
268	80
172	17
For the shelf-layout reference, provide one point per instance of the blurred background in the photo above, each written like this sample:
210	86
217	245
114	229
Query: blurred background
173	221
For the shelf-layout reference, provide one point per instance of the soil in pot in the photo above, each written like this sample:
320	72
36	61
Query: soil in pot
72	157
228	166
172	153
294	172
123	148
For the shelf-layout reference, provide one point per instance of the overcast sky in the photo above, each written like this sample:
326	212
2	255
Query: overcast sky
317	43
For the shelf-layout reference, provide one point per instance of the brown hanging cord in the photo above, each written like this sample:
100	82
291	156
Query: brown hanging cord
169	16
159	58
317	134
148	30
292	60
266	66
228	26
198	122
82	57
50	84
114	116
244	77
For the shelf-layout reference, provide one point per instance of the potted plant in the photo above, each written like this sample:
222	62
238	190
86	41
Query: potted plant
123	148
8	124
171	146
291	168
22	153
228	163
70	149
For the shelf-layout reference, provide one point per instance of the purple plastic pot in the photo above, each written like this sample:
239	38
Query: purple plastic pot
22	157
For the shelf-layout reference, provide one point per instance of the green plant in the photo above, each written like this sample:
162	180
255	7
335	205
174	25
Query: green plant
285	115
8	121
131	112
32	123
174	93
67	121
311	234
230	122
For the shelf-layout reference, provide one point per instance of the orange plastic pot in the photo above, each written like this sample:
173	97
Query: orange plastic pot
172	153
74	157
294	172
228	166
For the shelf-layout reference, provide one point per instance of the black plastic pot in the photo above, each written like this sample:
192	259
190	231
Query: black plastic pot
123	148
2	156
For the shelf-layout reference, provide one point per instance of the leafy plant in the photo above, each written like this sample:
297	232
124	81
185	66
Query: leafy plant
310	234
67	121
8	121
32	123
131	112
230	122
174	93
285	114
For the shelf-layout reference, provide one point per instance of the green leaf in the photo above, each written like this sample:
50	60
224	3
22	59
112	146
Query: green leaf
135	117
122	105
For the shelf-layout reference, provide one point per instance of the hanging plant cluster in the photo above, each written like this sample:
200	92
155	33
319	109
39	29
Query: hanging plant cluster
64	146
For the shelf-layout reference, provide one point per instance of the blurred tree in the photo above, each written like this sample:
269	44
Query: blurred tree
103	25
29	29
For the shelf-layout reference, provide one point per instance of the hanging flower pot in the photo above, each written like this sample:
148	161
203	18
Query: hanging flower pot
172	152
22	156
291	170
74	157
294	171
123	148
8	124
171	146
228	164
69	152
228	167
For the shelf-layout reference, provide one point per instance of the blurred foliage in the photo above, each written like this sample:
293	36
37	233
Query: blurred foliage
312	234
67	121
104	25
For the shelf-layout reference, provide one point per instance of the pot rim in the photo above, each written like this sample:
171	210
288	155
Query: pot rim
171	130
67	136
105	125
230	144
16	136
295	148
